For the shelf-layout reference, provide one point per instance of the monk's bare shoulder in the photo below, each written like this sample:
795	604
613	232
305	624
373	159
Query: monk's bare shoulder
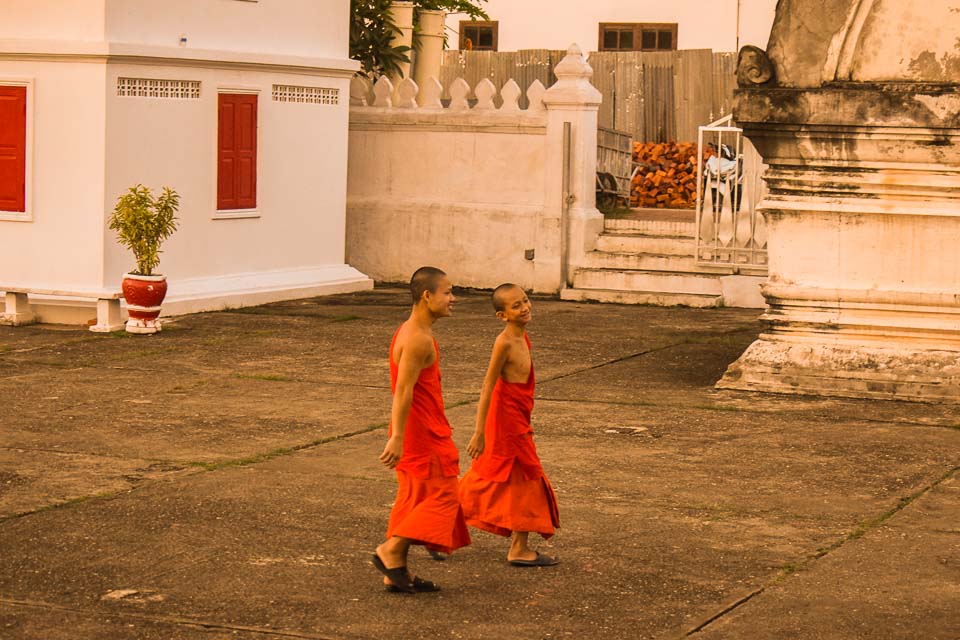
417	345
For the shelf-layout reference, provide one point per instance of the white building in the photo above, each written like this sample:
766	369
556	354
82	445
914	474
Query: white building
241	106
623	25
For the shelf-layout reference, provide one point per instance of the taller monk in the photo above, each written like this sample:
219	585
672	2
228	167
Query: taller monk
420	447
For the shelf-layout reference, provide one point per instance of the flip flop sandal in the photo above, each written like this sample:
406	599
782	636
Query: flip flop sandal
398	575
419	586
540	561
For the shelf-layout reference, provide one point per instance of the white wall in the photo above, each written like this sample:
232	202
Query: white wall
470	200
61	245
554	24
316	28
309	28
61	19
301	175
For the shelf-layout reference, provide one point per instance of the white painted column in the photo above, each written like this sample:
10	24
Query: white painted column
575	100
430	54
402	13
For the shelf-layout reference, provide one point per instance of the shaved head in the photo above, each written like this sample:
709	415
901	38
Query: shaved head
499	293
425	279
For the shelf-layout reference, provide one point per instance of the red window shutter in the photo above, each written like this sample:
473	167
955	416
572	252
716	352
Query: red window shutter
237	152
13	149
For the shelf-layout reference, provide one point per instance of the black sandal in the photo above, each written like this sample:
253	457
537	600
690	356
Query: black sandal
419	586
398	575
436	555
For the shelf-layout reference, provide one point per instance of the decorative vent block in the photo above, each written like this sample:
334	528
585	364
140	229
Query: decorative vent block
151	88
305	95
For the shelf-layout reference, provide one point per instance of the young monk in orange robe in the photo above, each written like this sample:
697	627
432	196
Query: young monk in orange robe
420	448
505	491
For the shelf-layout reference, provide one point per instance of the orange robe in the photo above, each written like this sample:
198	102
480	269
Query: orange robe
427	509
505	489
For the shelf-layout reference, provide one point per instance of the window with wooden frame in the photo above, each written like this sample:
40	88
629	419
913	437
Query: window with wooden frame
237	151
478	35
638	36
13	149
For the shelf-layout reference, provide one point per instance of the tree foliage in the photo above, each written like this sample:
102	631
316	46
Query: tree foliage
372	29
143	222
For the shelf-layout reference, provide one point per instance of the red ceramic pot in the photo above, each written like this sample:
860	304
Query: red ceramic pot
144	295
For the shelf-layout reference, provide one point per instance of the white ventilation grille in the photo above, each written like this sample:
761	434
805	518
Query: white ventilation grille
305	95
150	88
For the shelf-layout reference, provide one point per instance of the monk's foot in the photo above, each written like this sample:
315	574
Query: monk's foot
539	560
398	577
522	554
391	555
419	586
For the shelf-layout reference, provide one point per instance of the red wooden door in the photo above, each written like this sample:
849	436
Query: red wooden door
237	151
13	148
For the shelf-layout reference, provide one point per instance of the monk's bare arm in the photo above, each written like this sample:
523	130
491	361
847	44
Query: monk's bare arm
498	359
413	359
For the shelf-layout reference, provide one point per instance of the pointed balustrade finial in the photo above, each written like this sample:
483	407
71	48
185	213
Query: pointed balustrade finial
382	92
510	93
485	92
429	96
535	96
459	90
361	91
407	92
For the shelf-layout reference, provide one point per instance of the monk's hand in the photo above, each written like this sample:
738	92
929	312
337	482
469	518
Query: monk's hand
392	452
477	443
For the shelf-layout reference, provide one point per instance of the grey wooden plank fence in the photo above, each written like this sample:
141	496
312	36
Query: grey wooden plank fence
656	96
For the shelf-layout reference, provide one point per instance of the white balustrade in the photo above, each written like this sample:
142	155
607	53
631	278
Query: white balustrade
408	95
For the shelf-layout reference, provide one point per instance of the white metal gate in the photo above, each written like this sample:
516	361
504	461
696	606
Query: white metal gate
730	231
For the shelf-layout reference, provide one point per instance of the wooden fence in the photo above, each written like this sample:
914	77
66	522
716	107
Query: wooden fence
656	96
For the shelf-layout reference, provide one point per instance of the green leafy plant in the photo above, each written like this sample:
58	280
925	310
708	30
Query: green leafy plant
143	222
372	29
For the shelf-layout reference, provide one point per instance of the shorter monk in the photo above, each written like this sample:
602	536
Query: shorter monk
420	447
505	491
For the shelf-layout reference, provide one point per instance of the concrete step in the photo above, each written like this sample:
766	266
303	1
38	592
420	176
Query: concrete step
647	281
641	243
669	227
628	261
657	298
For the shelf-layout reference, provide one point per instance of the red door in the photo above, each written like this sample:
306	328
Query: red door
13	148
237	152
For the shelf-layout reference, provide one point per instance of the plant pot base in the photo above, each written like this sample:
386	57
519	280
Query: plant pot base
137	325
143	294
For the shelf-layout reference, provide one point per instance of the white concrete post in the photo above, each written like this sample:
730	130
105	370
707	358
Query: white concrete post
430	54
402	13
573	99
109	317
18	311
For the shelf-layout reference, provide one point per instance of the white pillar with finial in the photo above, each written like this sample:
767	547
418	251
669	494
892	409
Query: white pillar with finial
573	99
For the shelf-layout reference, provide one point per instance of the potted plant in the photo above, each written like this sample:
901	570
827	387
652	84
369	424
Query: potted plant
142	222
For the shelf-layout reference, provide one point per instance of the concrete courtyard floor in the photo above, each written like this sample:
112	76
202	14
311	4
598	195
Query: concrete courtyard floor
220	480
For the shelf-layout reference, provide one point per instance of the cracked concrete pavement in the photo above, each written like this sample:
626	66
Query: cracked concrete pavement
219	480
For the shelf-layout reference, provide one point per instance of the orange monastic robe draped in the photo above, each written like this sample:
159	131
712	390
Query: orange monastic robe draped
427	509
505	489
